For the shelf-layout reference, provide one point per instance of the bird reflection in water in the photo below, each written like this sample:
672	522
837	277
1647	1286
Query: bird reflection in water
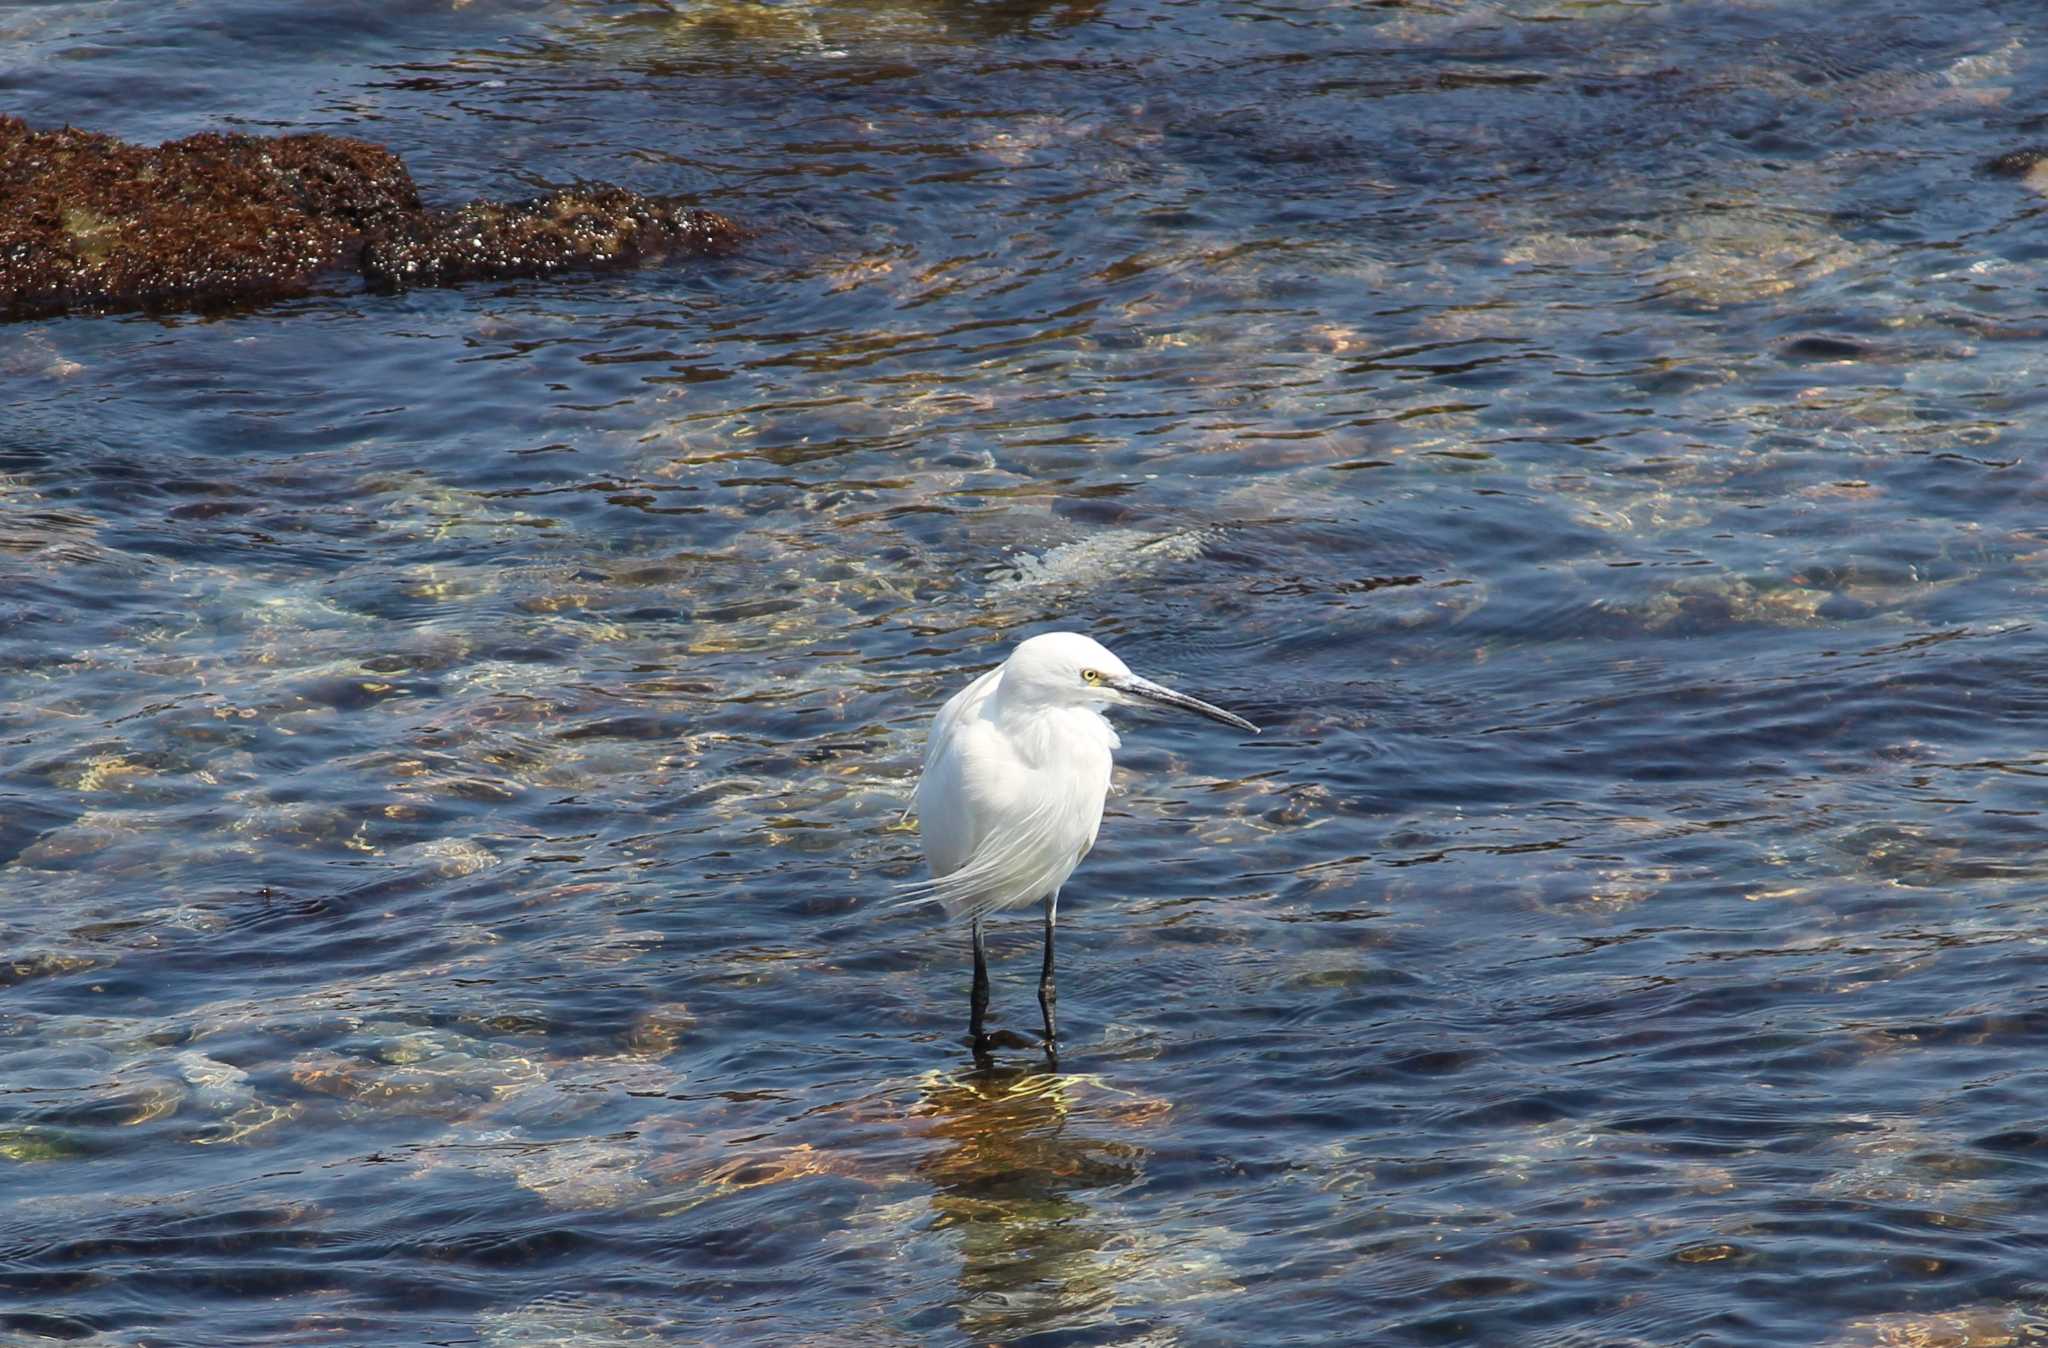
1011	1178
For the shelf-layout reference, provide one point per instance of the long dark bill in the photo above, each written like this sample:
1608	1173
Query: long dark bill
1159	694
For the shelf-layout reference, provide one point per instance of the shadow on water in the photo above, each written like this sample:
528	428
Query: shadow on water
1012	1182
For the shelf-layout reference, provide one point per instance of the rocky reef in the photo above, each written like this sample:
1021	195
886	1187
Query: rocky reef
595	226
2029	165
213	221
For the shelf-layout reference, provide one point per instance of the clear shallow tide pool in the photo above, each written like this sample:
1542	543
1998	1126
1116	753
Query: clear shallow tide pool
452	745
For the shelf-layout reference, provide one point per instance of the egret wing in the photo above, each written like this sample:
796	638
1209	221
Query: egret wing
1012	863
943	737
963	704
947	823
983	858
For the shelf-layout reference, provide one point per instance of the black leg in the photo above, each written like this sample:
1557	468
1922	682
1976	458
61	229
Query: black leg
979	1003
1048	993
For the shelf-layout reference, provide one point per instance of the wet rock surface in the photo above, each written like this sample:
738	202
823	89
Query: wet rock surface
595	226
89	222
2017	163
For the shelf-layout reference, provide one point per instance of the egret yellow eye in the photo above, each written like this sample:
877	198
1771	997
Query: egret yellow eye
1091	676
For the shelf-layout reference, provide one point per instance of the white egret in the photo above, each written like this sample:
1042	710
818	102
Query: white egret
1015	774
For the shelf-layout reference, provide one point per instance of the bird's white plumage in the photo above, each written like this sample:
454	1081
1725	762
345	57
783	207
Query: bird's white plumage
1014	778
1015	775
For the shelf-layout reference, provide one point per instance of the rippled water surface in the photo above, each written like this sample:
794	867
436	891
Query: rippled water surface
453	745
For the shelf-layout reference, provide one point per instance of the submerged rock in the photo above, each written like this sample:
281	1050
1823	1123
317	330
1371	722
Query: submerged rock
2017	163
567	1320
2029	165
214	220
596	226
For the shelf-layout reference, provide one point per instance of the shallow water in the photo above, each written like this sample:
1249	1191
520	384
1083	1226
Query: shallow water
452	746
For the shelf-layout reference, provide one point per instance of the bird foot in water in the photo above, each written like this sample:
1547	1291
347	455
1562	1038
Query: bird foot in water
983	1044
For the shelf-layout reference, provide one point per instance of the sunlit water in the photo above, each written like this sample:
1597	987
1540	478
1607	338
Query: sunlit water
452	746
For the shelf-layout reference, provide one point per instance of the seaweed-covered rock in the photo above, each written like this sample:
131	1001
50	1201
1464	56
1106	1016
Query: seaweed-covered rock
2017	163
215	220
2029	165
596	226
87	221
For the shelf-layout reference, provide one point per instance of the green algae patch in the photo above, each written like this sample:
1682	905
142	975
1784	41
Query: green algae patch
28	1145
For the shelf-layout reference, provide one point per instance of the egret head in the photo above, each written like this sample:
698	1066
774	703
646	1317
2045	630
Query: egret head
1066	669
